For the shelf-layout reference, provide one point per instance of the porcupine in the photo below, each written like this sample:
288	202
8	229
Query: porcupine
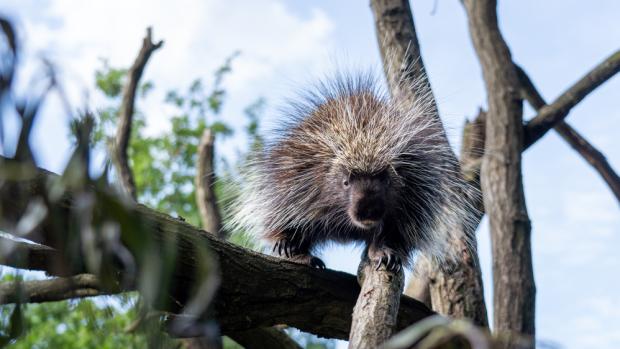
352	164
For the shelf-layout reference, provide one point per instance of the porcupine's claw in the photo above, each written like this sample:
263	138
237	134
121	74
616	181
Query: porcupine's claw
392	261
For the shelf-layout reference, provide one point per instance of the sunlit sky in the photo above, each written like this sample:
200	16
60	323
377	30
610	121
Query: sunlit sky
285	44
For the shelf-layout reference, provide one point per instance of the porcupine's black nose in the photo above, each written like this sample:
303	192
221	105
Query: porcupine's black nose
369	211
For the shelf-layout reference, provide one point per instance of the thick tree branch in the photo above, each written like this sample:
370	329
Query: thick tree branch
400	52
549	115
125	117
376	309
205	181
255	291
592	155
504	201
51	290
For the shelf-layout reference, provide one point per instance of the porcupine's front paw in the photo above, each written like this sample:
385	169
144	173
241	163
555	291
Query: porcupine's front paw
387	257
285	248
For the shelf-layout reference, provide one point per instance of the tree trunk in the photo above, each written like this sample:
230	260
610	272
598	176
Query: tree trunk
513	281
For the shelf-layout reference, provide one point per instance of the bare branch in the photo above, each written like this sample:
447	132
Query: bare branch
376	309
400	51
315	301
51	290
592	155
125	117
504	200
549	115
205	181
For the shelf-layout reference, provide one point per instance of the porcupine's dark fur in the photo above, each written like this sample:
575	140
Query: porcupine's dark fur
351	164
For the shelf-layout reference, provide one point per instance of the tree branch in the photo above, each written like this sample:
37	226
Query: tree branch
549	115
376	309
256	290
51	290
592	155
125	117
205	181
400	52
501	181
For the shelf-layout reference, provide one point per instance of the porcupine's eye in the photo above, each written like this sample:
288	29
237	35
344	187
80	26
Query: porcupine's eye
346	183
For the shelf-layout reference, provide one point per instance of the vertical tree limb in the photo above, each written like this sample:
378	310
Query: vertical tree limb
125	117
400	51
504	200
457	290
592	155
376	309
205	181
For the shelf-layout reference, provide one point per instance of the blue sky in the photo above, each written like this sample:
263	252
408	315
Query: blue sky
576	220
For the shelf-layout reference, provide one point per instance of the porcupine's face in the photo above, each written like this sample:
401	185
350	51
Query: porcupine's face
366	196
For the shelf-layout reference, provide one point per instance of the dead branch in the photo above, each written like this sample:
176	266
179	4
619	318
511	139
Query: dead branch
501	182
256	290
592	155
376	309
51	290
549	115
400	51
125	117
205	181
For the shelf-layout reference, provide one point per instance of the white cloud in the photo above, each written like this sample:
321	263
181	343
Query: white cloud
277	46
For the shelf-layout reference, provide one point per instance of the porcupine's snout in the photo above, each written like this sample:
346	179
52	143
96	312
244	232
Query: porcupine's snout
367	202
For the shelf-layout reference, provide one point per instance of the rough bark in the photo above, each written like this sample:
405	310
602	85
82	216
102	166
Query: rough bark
205	181
592	155
256	290
125	117
450	294
400	52
502	187
457	290
375	312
